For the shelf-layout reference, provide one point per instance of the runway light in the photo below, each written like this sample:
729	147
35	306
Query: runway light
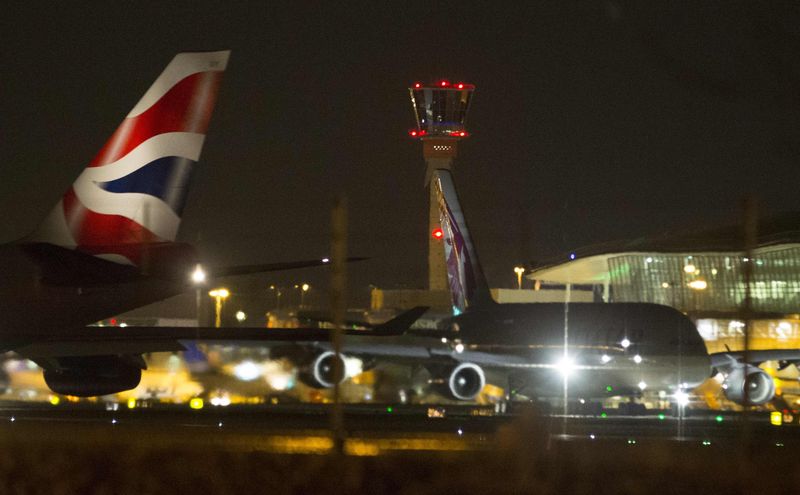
642	385
13	419
241	316
437	233
637	359
605	358
625	343
592	436
459	348
706	443
326	260
689	268
219	424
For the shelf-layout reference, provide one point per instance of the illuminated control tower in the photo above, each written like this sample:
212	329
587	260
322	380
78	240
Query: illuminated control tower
440	110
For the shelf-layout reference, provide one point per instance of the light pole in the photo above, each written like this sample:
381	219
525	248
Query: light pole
199	280
219	296
277	291
519	271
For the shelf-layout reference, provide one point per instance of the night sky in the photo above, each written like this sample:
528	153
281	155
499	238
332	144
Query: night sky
610	120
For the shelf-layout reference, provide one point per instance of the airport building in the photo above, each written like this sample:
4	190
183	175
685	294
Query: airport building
702	274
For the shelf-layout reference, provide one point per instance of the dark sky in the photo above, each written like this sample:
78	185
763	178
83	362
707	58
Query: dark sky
592	121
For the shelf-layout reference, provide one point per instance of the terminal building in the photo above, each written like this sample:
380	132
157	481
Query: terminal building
701	273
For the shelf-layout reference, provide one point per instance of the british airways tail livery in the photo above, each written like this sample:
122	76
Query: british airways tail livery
133	192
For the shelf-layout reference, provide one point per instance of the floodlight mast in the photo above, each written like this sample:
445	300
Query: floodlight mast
440	110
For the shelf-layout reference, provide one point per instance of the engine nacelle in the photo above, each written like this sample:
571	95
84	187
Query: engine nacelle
89	376
461	382
88	382
751	382
320	372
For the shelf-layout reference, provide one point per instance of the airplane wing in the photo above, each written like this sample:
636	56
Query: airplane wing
228	271
724	360
94	341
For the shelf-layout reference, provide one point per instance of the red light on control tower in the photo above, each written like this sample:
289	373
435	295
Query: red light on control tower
437	233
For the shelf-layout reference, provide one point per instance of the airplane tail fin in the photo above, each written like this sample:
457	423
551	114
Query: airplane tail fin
132	193
468	286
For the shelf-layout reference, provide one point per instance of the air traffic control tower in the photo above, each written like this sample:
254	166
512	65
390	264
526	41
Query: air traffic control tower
440	110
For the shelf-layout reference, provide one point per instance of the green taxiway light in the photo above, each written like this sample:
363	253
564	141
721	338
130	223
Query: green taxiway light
603	415
661	416
718	418
389	409
609	388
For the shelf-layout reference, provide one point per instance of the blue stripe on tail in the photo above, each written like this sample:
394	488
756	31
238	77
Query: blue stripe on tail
165	178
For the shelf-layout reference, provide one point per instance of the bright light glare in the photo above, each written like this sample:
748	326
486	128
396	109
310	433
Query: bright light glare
247	371
221	293
198	275
690	268
698	284
605	358
353	366
642	385
325	260
625	343
280	381
241	316
637	359
566	365
459	348
682	398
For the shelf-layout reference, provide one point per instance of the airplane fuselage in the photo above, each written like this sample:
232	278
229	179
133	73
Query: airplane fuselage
603	348
48	291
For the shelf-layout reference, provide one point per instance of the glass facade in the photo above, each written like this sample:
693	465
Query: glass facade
441	111
711	282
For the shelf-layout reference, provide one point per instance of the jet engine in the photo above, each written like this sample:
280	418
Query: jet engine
93	376
320	372
461	382
749	383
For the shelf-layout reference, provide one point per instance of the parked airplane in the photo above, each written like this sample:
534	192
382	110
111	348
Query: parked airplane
109	244
605	348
